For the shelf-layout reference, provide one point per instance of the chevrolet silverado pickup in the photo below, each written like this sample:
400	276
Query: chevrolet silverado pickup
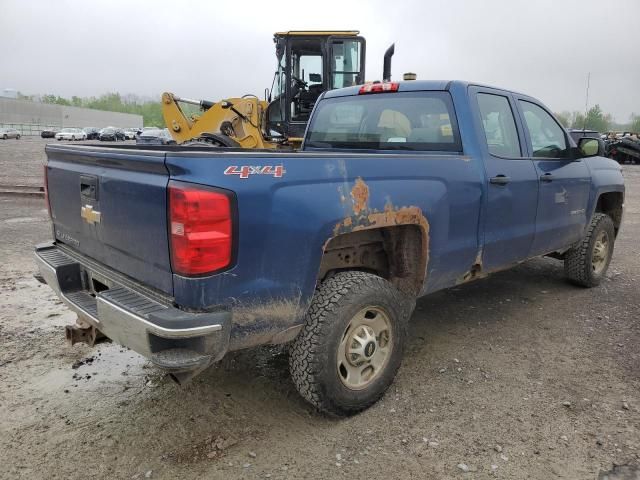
185	253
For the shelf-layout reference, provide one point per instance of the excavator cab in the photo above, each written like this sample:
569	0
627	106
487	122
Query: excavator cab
308	63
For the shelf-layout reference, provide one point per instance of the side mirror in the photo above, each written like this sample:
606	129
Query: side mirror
588	147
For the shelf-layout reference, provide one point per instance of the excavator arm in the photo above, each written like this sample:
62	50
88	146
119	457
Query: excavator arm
231	122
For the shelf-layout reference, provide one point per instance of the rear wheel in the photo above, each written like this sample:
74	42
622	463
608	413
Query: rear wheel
587	262
351	345
18	137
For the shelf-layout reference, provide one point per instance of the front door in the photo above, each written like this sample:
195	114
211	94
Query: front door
512	181
564	182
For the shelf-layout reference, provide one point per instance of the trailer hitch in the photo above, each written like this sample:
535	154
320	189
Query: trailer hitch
81	334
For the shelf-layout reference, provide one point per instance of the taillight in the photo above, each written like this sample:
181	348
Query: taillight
379	87
200	229
46	190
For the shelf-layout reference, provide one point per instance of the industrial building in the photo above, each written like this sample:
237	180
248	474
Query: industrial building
31	117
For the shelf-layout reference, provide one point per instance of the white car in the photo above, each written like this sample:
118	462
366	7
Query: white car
130	133
71	134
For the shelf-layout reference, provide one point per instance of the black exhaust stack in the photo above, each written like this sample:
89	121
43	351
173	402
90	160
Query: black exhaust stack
386	70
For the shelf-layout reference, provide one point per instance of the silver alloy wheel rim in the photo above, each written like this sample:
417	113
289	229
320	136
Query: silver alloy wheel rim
365	348
600	252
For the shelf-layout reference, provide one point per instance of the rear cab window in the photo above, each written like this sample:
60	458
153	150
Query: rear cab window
410	121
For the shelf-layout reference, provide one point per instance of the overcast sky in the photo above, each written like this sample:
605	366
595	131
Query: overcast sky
216	49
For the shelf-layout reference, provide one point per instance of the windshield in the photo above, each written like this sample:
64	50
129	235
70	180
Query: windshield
386	121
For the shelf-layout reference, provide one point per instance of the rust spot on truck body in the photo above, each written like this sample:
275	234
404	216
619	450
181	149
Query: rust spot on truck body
360	196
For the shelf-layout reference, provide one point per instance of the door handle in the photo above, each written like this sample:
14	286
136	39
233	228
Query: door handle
500	180
547	177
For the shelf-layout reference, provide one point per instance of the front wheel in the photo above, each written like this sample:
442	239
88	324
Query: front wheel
351	345
587	262
17	137
4	137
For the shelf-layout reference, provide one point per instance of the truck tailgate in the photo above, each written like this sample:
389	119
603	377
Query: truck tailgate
111	205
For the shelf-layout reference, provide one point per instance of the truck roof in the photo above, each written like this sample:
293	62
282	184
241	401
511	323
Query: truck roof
413	85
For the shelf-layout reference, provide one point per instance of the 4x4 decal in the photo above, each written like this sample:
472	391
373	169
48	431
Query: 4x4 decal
243	172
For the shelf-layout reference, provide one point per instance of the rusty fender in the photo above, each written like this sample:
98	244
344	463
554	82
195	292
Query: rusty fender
363	217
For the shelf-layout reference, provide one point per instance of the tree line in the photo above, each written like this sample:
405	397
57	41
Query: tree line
597	120
151	111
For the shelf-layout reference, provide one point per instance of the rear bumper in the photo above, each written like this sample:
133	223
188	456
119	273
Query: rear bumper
172	339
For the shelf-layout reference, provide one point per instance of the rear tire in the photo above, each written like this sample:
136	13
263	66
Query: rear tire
17	137
351	345
587	262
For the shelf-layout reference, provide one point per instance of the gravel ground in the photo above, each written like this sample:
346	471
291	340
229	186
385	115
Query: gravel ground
21	160
520	375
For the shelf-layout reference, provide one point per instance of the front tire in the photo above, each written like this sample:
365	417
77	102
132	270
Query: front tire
17	137
587	262
351	345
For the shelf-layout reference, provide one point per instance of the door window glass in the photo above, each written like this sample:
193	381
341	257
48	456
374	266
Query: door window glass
345	62
499	125
547	137
306	87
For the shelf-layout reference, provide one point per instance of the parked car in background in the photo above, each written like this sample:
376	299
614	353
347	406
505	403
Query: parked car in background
130	133
111	134
71	134
49	132
9	133
92	133
577	134
155	137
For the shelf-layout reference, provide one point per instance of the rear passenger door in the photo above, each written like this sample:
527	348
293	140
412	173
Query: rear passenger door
565	182
512	182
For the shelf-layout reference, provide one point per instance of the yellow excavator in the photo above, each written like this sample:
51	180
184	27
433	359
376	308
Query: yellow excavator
309	62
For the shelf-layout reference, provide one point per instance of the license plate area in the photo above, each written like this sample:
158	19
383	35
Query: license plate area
96	283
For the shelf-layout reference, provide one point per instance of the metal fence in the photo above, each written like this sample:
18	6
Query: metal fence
29	129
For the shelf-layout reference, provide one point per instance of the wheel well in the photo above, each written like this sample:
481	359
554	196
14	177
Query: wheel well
610	203
396	253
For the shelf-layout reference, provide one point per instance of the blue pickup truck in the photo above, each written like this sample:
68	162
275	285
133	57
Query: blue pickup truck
185	253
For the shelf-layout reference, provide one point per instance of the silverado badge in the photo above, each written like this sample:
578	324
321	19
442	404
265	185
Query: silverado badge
90	215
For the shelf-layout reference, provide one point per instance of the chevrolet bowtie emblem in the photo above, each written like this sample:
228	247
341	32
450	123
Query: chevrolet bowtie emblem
90	215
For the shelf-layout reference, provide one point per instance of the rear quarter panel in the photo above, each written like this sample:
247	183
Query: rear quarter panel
285	222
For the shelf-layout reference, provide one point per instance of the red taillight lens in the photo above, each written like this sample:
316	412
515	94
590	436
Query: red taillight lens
379	87
46	190
200	229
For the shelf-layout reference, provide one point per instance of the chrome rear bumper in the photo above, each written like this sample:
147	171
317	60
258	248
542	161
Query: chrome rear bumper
171	338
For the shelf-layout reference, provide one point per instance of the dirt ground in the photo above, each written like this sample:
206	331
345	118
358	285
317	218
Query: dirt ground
520	375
